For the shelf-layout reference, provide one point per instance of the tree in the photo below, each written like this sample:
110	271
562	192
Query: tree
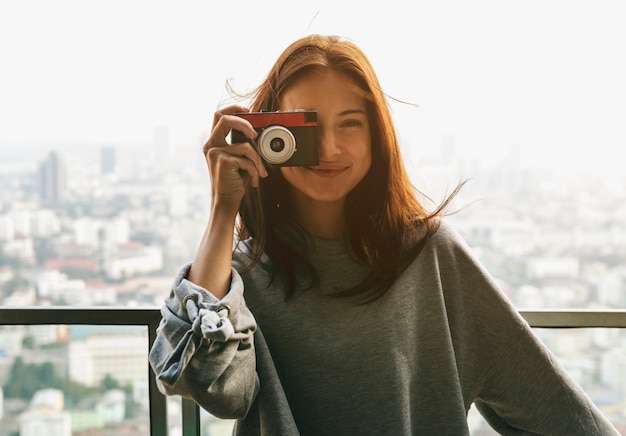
22	382
28	342
26	379
108	383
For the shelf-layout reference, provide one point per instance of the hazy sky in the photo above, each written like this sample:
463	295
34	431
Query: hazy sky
548	76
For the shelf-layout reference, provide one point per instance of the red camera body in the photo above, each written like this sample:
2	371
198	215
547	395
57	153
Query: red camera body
284	138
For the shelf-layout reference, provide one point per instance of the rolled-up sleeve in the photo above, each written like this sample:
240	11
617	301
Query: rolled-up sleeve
204	349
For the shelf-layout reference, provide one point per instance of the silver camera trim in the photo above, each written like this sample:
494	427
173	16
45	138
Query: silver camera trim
264	143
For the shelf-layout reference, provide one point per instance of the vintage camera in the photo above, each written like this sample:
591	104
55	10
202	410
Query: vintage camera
285	138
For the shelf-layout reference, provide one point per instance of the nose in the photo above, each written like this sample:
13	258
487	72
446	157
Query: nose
328	147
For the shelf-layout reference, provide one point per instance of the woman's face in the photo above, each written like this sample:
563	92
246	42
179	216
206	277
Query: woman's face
345	141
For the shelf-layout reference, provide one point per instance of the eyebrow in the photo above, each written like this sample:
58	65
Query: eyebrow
352	111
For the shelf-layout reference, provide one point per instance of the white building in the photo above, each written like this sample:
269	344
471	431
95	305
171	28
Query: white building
44	334
45	422
7	228
612	288
114	404
40	223
95	233
22	220
20	247
11	340
45	415
553	267
122	356
45	223
103	296
613	369
179	200
21	298
55	286
130	261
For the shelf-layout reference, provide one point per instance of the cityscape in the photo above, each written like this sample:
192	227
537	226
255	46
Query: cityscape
111	225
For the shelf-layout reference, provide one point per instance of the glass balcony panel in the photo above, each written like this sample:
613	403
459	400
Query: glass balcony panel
74	379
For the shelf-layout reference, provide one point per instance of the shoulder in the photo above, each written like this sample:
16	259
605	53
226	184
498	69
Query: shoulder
446	230
448	252
446	237
450	264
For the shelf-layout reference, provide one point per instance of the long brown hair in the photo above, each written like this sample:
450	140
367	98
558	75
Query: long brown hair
387	224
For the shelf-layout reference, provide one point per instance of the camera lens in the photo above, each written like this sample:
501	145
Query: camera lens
277	145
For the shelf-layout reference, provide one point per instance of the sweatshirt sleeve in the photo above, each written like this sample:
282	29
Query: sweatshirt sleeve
204	349
518	385
528	392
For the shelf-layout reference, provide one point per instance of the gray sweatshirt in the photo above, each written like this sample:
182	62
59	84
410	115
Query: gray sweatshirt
412	362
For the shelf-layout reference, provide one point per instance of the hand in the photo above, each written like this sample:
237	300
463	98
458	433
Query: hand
232	166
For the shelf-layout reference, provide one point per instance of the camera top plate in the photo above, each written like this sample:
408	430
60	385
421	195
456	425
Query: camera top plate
302	118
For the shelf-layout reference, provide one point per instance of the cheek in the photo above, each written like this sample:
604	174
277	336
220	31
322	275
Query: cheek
366	157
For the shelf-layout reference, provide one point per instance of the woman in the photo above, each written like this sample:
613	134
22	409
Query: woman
346	307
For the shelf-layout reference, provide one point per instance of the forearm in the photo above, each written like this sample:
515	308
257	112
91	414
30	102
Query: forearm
211	267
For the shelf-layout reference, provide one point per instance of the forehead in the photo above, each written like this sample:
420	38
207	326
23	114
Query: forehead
318	90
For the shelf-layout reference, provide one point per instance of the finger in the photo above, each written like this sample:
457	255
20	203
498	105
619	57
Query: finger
246	151
228	110
224	123
232	161
225	116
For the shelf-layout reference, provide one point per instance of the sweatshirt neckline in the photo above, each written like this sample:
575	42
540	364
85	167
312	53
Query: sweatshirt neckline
321	246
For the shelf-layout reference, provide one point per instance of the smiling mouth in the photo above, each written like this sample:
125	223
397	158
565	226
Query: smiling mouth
327	171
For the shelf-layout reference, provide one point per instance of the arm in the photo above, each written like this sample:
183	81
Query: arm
232	168
204	348
515	381
527	389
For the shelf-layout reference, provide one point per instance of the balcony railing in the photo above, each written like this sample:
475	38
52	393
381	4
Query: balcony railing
150	318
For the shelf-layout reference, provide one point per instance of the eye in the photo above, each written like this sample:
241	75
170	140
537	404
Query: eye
352	123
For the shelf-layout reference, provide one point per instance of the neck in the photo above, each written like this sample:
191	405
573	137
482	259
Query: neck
322	219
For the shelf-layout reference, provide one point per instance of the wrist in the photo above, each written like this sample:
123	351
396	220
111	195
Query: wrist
225	209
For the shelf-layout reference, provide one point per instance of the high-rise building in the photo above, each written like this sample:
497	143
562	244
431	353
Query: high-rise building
108	160
52	180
